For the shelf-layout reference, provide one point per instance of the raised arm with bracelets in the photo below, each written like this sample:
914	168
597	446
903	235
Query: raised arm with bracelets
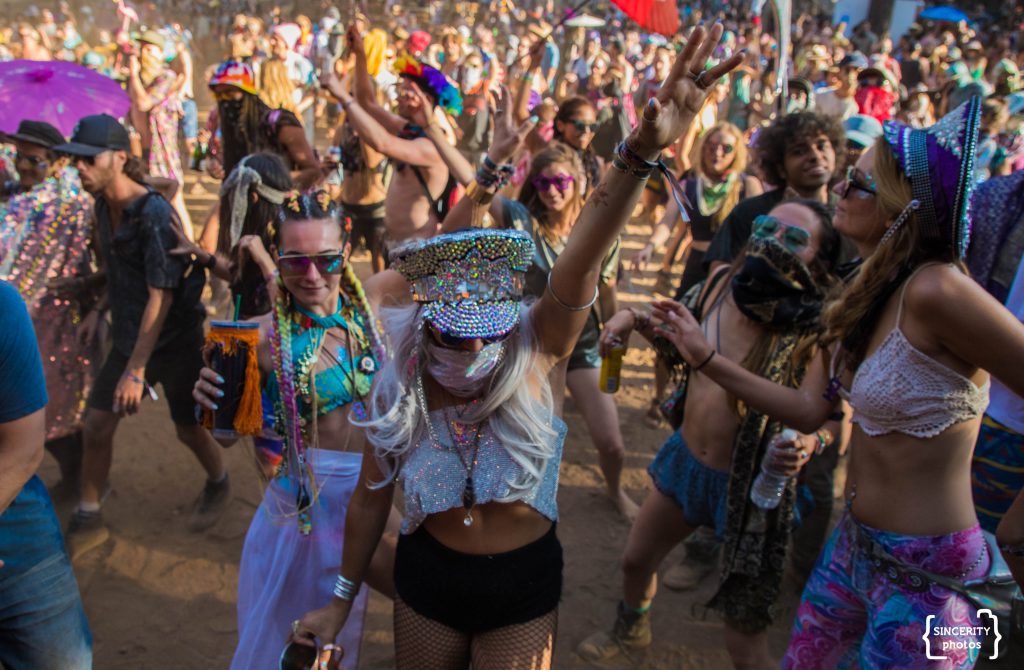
561	313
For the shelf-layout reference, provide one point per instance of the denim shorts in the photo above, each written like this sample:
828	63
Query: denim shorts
699	491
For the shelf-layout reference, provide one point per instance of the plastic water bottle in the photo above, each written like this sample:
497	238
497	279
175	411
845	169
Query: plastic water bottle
769	485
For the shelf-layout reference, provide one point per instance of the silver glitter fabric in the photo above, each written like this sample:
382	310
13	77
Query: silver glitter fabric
470	282
434	476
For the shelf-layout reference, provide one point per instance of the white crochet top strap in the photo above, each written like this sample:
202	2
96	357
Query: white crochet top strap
900	389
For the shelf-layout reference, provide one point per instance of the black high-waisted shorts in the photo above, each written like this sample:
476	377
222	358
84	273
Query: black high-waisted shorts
477	593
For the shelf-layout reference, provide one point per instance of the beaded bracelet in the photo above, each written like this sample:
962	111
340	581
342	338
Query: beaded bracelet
1013	549
345	589
640	320
487	179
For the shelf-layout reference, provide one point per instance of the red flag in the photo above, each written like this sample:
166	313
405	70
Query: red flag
656	16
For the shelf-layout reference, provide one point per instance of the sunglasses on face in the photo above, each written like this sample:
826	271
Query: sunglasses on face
794	238
34	161
726	148
854	183
583	126
449	341
561	182
297	266
88	160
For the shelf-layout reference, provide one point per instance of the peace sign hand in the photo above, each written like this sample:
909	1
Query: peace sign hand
668	115
507	136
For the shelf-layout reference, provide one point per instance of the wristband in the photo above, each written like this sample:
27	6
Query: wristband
825	438
1013	549
135	379
345	589
476	192
640	320
706	361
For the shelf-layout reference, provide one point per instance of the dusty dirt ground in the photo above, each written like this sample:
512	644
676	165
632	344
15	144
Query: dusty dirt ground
160	597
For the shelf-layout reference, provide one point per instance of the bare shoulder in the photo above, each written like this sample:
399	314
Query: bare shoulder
939	288
387	289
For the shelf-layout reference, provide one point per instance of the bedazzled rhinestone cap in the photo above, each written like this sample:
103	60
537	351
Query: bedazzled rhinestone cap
470	282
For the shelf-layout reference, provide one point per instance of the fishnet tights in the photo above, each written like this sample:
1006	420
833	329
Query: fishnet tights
425	644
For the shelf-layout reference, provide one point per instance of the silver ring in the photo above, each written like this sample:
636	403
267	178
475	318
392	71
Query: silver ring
295	627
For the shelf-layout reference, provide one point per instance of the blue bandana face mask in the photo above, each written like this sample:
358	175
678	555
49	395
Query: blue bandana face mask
463	373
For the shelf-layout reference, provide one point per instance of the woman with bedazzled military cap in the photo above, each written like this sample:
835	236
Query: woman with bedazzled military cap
462	418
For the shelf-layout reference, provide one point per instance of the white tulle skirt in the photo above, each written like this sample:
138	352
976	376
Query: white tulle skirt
285	574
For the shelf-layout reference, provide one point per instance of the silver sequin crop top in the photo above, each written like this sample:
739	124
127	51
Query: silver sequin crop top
900	389
433	476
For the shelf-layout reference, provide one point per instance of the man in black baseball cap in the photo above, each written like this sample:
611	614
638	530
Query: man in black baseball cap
156	324
95	134
35	159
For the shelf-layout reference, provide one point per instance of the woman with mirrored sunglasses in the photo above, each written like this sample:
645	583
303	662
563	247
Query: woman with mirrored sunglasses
762	312
472	433
575	126
319	351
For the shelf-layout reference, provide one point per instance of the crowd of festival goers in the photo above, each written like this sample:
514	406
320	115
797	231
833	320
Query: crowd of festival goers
839	295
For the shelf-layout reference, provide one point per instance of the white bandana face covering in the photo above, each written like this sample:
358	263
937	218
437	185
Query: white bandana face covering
463	373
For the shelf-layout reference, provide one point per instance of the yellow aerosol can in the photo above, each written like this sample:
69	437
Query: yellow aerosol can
611	369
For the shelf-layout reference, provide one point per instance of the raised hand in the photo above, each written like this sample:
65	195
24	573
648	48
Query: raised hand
669	114
354	39
680	328
507	136
424	115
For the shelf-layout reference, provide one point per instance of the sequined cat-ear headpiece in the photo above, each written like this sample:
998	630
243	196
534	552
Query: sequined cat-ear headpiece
434	83
939	161
470	283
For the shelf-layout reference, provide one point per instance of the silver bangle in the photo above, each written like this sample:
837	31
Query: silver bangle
345	589
570	307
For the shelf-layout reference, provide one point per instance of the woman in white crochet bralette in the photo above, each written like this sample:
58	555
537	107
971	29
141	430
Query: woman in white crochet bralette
907	343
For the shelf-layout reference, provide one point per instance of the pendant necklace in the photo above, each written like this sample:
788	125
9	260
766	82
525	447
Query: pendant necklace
457	432
458	439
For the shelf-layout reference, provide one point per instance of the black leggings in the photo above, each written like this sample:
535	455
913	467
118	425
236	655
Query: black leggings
478	593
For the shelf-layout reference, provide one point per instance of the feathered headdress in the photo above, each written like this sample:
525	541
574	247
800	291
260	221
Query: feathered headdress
434	83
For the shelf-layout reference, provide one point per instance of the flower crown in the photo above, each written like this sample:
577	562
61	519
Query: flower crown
447	96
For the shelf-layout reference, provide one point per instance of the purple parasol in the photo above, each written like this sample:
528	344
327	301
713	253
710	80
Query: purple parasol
57	92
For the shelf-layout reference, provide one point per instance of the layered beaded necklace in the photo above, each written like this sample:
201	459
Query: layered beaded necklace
465	439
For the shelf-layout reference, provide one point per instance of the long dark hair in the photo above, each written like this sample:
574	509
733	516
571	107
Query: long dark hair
247	135
249	281
566	111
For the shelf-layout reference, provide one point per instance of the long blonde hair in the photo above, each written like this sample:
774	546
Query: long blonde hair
518	405
738	166
276	88
851	318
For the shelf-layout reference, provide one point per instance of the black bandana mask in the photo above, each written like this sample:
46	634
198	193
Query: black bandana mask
775	287
230	113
